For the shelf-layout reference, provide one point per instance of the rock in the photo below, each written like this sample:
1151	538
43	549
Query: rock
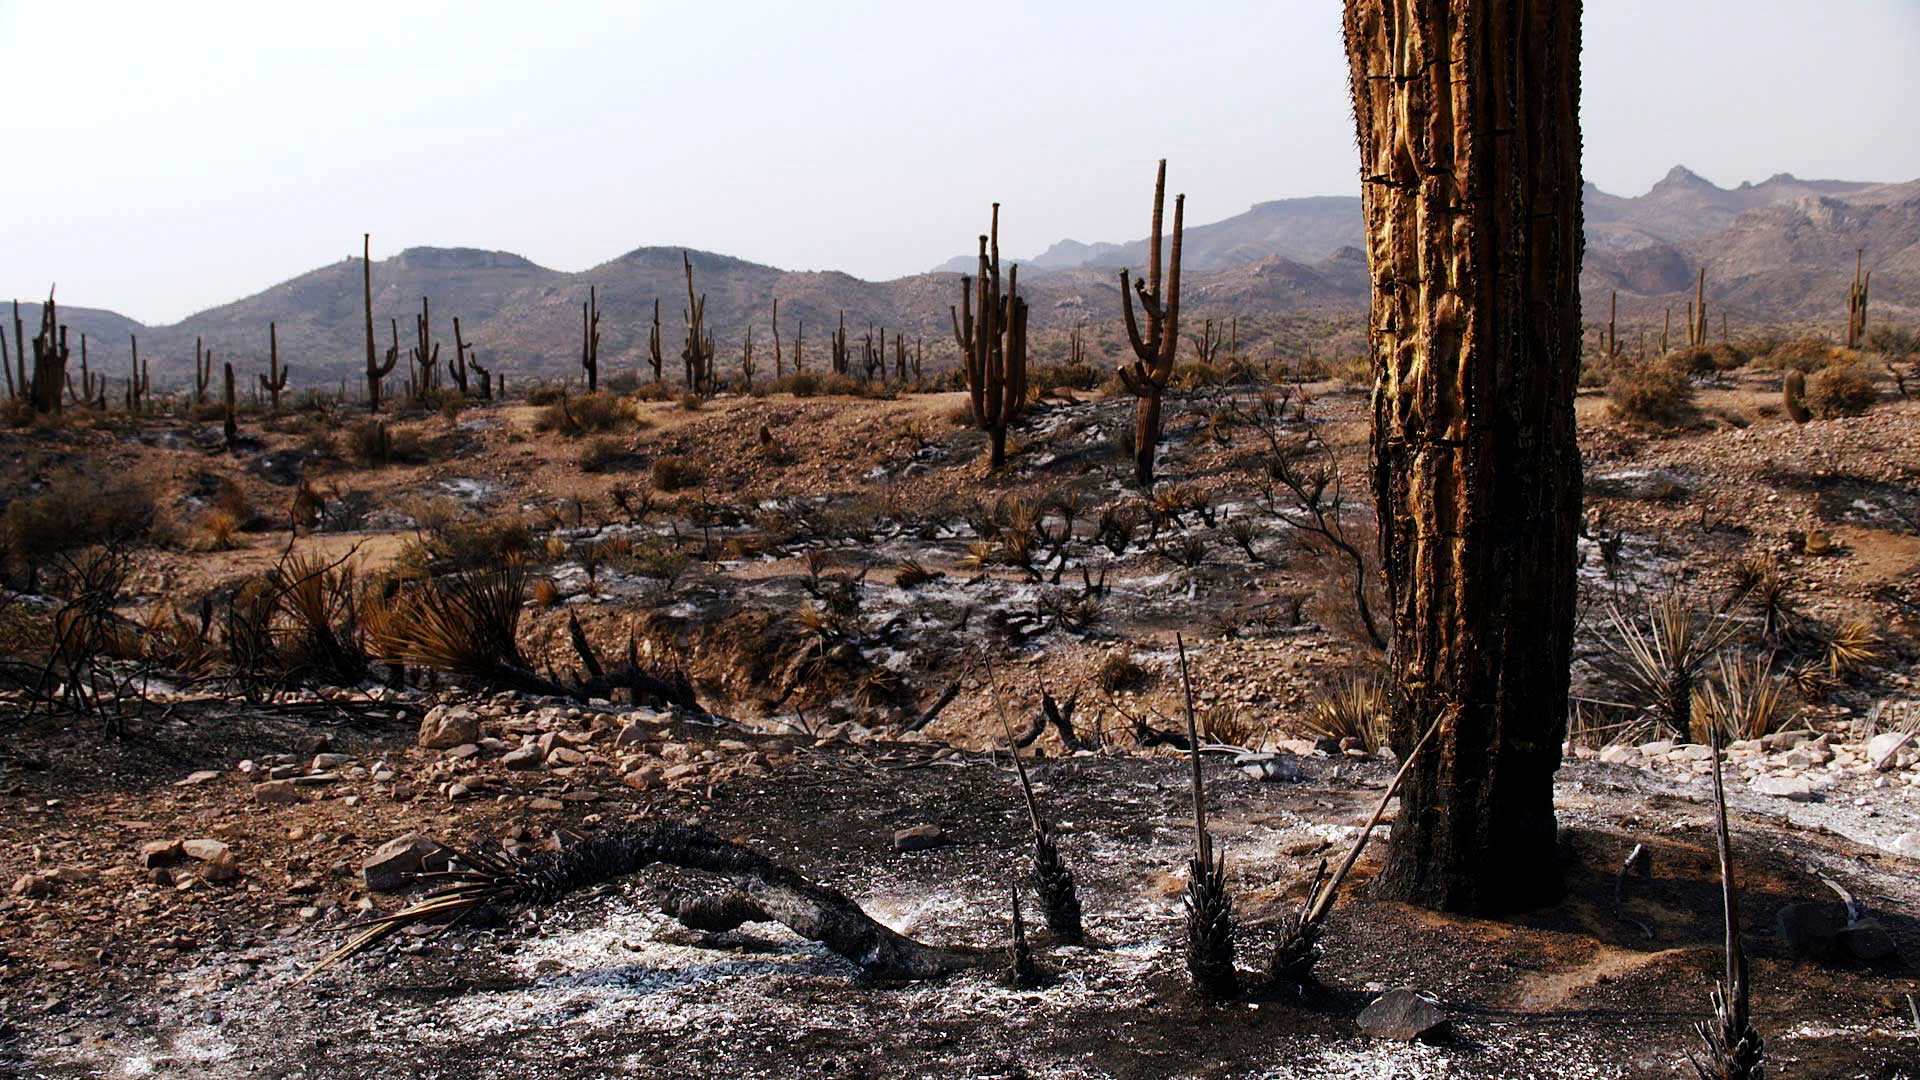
1620	755
206	850
1797	788
194	779
544	803
221	869
633	735
918	838
316	779
276	791
1270	767
388	868
1866	940
316	743
323	762
565	755
645	778
1883	744
160	853
33	884
523	759
1907	844
1694	752
1404	1015
1657	747
463	752
1808	930
283	772
447	726
582	796
456	792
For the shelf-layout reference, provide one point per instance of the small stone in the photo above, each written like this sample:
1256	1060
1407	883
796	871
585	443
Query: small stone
633	735
544	803
195	779
1809	930
283	772
645	778
160	853
1657	747
457	791
1884	744
1796	788
566	755
33	884
316	779
1866	940
447	726
1270	767
390	865
1694	752
1620	755
463	752
1403	1015
206	850
580	796
1907	844
276	791
404	793
316	743
323	762
523	759
918	838
221	869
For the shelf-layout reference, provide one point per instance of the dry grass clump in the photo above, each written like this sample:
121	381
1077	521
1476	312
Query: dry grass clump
1354	709
220	527
675	474
1119	671
1044	379
602	454
1840	390
545	593
1852	646
1355	371
1653	395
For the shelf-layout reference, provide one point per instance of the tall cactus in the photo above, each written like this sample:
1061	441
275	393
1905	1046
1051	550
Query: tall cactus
276	378
590	338
457	364
697	353
779	364
202	371
23	389
839	340
1146	377
139	377
1857	301
231	425
1697	312
424	354
1613	311
92	392
654	356
376	370
50	355
746	359
874	358
991	329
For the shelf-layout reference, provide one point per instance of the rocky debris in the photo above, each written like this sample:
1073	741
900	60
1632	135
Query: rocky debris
524	759
447	726
278	792
1797	788
644	778
918	837
35	884
160	853
463	752
392	864
326	762
1404	1015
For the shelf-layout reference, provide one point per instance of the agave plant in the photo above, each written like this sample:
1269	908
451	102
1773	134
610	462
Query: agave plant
1660	663
466	624
1353	709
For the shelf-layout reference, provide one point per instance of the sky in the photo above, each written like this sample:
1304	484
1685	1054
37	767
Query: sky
169	157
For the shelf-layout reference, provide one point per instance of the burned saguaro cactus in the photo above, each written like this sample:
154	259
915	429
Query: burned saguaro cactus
991	329
275	380
590	338
654	357
457	364
1793	392
746	359
874	358
202	372
839	346
376	370
697	353
230	425
18	384
1857	301
92	391
139	377
424	354
779	363
50	355
1146	377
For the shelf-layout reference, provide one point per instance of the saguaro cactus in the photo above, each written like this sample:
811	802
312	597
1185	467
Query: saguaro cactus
991	329
276	378
457	364
779	365
1146	377
92	392
376	370
874	357
590	338
746	359
1467	115
202	372
839	338
20	386
654	356
697	353
231	424
50	355
1857	301
425	360
1697	312
139	377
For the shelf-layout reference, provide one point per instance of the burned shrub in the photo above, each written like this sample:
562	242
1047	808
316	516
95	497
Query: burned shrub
675	474
1840	390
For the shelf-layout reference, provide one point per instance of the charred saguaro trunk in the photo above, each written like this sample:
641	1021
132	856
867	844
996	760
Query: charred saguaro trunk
1146	378
590	338
230	424
654	357
991	330
425	353
376	369
202	372
50	355
1468	123
697	353
1857	300
275	381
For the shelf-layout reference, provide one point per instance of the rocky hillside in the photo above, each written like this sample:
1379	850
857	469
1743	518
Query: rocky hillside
1776	251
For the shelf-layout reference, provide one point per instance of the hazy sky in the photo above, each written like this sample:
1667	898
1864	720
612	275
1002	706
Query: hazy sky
167	157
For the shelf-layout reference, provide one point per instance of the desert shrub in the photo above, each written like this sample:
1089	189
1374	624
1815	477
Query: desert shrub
1804	354
545	593
586	414
692	402
77	509
624	381
1653	395
1354	371
219	527
602	454
458	545
653	391
1840	390
654	558
675	474
208	411
1195	374
1046	378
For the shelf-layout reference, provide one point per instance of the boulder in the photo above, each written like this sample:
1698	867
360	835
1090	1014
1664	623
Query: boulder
1404	1015
447	726
392	864
1808	930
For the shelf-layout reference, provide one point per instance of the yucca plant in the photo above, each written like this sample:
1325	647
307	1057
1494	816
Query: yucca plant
317	598
465	625
911	574
1353	709
1743	703
1021	969
1660	663
1854	645
1759	585
1209	906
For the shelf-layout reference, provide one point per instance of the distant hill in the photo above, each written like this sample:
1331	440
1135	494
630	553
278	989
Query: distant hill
1778	250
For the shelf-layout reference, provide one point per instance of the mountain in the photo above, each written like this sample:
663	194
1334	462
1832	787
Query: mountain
1779	250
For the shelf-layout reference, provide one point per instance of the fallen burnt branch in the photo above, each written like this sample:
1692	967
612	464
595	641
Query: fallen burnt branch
815	912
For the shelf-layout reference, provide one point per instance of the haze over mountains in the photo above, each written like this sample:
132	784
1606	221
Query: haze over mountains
1775	251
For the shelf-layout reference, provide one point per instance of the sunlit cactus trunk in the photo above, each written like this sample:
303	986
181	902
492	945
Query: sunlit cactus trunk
1467	116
